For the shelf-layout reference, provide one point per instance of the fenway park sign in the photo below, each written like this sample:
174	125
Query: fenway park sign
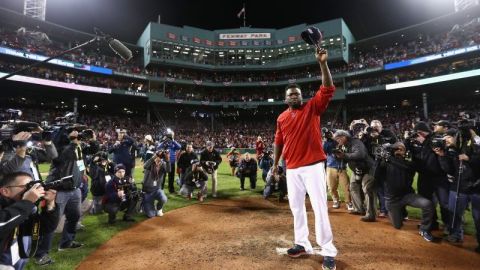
245	36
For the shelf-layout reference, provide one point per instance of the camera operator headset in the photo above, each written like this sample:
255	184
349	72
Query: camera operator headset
461	159
23	219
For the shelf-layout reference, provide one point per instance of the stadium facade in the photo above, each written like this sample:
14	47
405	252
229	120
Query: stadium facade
247	62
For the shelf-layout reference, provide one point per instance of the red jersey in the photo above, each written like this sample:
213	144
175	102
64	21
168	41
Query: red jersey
298	130
259	146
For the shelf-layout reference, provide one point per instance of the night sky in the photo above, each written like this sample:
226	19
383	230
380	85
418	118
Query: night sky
126	19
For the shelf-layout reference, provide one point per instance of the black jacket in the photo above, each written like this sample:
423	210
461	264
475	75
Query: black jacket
398	177
66	163
357	157
248	167
386	136
471	169
210	156
13	214
99	177
425	159
191	177
185	159
124	152
151	175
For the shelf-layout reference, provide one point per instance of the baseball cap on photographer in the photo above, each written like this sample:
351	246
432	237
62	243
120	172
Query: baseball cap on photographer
443	123
398	145
119	166
422	126
209	144
451	132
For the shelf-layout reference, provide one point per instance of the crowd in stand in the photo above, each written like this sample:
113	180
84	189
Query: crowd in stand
75	77
460	35
226	95
239	132
415	74
30	42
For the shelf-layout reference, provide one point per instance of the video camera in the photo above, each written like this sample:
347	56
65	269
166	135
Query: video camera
358	127
370	130
167	135
99	157
327	133
267	153
64	183
465	124
337	151
209	166
63	126
163	153
438	142
383	151
10	125
129	189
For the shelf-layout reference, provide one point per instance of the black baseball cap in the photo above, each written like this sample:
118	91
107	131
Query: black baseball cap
443	123
422	126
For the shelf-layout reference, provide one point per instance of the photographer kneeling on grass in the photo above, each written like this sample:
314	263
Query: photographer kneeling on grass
21	220
121	195
397	180
155	170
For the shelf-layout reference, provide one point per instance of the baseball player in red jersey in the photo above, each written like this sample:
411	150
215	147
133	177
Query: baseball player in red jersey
298	138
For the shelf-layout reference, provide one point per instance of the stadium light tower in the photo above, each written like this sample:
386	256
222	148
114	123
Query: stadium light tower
465	4
35	9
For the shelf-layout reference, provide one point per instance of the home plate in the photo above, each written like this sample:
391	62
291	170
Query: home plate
283	251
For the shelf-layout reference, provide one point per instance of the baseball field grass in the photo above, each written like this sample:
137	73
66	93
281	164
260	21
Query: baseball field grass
97	231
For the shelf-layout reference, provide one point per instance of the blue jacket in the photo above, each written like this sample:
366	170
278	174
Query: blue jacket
123	153
332	162
266	164
173	146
